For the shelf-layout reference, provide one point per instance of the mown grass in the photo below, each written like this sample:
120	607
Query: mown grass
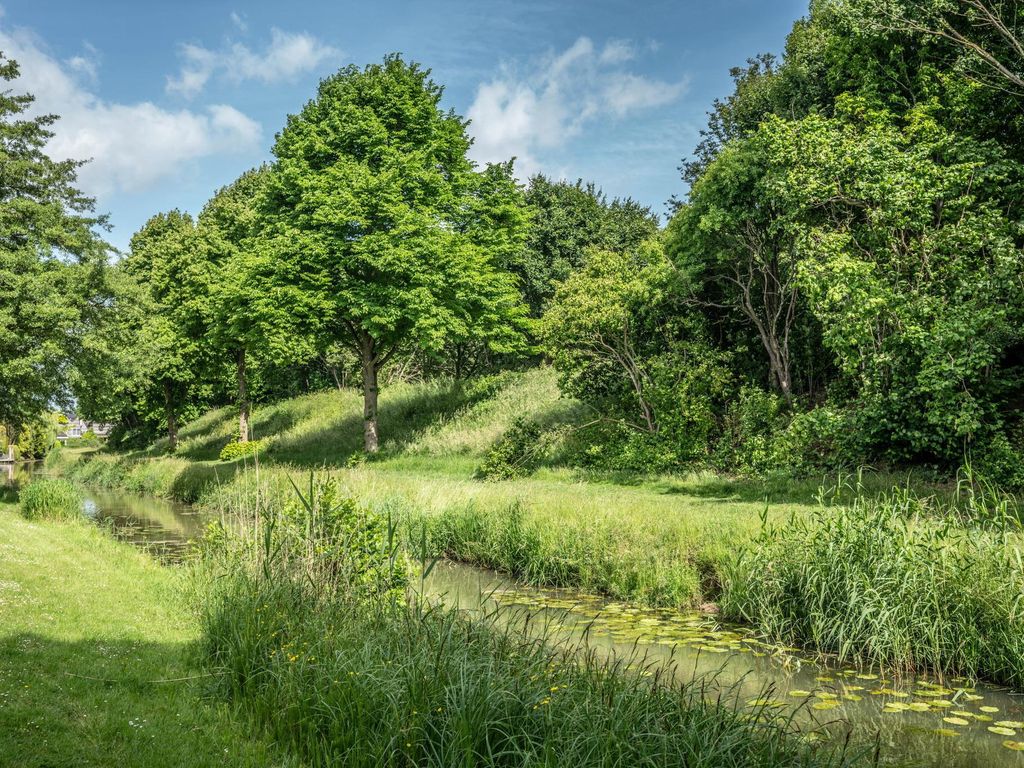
893	581
346	679
88	629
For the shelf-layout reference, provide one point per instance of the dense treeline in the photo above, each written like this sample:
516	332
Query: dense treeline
840	285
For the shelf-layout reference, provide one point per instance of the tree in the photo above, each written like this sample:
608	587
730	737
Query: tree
989	34
51	263
366	220
737	244
567	219
169	258
596	327
245	314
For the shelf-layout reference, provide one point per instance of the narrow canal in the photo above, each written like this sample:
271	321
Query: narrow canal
913	722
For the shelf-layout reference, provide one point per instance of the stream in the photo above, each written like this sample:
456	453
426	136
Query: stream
916	722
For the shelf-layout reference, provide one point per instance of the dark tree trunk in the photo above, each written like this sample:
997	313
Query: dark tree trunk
371	442
172	417
243	399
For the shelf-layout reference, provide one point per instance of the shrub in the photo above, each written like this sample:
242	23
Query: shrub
889	581
50	499
516	454
236	450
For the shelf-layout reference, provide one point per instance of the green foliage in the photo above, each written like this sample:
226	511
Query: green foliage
51	264
516	454
339	678
889	581
37	437
568	220
373	225
237	450
46	498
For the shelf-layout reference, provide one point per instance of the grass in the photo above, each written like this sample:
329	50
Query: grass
656	541
343	679
894	582
50	498
88	628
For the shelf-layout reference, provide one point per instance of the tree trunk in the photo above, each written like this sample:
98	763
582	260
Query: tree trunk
172	418
370	437
243	399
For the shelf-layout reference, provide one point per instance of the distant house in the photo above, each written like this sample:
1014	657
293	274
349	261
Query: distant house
76	428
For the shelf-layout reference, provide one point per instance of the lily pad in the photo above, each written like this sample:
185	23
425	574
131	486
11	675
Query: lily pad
1002	731
956	721
1016	746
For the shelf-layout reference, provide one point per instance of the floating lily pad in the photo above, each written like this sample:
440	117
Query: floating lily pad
946	732
1002	731
867	676
1016	746
825	705
800	694
990	710
956	721
1010	724
918	706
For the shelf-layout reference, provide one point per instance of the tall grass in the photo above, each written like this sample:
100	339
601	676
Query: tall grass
48	498
345	680
895	581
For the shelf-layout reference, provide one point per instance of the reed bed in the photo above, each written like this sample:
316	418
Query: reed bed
901	581
50	498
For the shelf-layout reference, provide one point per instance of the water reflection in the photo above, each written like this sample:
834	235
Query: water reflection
916	722
162	527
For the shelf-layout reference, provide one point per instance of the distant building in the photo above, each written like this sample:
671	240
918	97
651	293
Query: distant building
76	428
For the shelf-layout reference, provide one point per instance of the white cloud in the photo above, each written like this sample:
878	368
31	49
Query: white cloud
287	55
617	52
239	21
130	146
522	113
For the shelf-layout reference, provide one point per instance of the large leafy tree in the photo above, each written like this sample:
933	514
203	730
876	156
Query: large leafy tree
170	259
245	315
366	221
51	263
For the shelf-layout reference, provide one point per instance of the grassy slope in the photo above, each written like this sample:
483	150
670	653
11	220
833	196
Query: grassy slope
659	541
74	606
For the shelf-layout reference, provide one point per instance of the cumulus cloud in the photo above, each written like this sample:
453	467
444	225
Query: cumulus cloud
130	146
524	111
287	55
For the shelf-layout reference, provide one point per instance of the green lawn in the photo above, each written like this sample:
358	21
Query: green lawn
88	627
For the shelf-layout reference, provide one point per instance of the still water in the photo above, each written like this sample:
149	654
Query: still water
914	722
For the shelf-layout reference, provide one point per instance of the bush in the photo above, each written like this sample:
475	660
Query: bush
894	581
516	454
50	499
236	450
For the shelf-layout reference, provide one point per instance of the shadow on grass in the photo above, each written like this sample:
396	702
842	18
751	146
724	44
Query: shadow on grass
402	419
96	702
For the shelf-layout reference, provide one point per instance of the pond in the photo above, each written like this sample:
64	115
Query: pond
916	722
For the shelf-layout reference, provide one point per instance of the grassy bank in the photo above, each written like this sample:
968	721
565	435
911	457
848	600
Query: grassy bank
305	632
88	628
669	541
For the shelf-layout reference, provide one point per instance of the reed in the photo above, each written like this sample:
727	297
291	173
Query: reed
902	581
49	498
345	680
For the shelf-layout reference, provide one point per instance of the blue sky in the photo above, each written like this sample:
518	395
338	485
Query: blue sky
173	100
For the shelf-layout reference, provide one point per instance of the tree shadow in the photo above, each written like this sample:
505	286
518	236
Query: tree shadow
112	702
402	420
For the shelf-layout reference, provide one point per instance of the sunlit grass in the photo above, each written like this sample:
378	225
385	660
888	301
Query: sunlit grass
88	629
